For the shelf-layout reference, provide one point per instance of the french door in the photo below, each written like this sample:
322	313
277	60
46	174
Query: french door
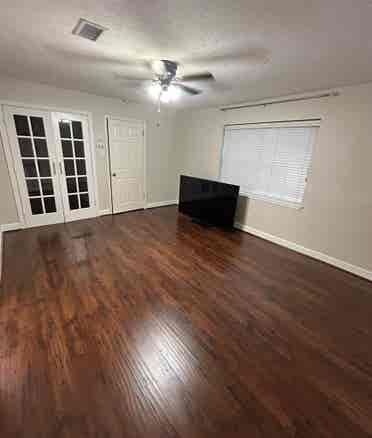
35	163
53	166
74	157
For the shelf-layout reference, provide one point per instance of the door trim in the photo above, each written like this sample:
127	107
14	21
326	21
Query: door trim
11	169
108	155
8	150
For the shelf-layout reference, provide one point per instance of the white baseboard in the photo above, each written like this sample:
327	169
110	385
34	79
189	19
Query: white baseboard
161	203
11	227
150	205
361	272
104	212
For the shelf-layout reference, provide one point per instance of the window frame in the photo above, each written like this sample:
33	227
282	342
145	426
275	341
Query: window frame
314	123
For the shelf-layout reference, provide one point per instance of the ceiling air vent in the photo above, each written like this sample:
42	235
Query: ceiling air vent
87	29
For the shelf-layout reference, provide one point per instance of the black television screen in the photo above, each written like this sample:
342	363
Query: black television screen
209	202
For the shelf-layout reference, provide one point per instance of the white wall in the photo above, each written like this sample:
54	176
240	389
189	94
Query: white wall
337	215
161	164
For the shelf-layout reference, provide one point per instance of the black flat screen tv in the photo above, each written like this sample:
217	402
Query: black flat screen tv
208	202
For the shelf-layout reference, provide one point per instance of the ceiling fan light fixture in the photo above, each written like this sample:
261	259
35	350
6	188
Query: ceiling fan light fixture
165	97
170	94
166	94
154	90
174	92
167	87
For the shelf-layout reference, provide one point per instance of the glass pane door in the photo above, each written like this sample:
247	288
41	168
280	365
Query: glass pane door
34	156
75	165
36	163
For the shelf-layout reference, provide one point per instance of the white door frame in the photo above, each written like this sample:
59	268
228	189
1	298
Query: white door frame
108	155
8	148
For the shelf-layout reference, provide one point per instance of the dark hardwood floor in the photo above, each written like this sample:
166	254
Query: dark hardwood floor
145	325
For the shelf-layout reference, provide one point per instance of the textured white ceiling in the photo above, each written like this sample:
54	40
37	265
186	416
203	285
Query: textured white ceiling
254	48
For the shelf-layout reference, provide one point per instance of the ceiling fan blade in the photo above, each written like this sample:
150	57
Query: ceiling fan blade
158	67
164	68
198	77
188	90
132	78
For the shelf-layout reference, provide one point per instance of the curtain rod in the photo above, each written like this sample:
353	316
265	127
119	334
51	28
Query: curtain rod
272	102
275	121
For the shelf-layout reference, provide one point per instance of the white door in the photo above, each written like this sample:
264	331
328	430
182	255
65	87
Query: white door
127	153
35	161
75	165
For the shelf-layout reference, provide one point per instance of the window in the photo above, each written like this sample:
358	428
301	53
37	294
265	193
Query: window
268	162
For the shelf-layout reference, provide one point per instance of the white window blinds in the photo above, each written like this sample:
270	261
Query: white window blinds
269	163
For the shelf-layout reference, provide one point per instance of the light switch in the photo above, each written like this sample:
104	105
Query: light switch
100	146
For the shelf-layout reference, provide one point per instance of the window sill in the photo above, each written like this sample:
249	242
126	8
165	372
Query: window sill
275	201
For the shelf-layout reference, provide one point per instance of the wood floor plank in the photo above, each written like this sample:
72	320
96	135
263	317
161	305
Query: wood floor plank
146	325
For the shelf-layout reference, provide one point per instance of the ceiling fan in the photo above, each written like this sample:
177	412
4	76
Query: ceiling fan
166	86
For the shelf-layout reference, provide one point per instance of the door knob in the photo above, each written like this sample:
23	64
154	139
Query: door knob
114	174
